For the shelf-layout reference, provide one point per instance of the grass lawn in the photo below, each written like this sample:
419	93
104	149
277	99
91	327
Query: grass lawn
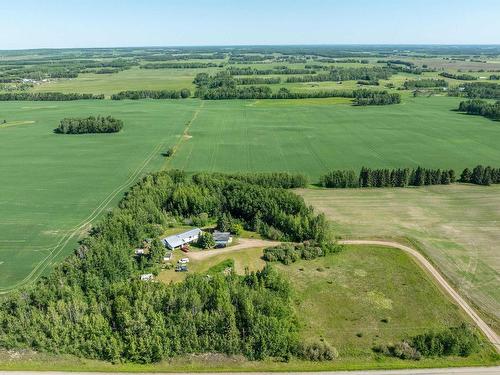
455	226
53	186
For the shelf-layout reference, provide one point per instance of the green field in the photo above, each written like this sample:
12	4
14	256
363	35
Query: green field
456	227
53	185
315	136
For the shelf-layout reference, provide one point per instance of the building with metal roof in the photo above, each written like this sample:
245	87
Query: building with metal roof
178	240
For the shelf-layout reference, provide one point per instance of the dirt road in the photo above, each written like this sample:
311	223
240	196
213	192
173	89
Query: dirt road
488	332
243	244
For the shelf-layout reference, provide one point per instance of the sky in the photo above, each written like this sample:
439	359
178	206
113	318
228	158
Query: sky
120	23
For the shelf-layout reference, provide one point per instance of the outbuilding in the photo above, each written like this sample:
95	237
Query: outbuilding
222	239
179	240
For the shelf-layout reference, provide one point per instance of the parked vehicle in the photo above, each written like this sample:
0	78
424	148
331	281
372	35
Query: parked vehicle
181	269
184	260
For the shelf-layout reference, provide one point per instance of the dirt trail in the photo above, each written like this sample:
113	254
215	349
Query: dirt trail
488	332
244	243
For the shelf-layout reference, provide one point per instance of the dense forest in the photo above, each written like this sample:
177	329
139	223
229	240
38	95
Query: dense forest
345	74
478	90
90	124
94	304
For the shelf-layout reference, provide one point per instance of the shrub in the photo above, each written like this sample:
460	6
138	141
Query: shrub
206	240
317	351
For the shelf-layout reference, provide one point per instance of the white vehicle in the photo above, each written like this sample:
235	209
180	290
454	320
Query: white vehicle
184	260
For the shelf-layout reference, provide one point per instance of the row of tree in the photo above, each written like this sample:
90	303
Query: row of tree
94	304
47	96
477	90
424	83
152	94
404	177
247	71
181	65
257	81
371	97
97	124
461	77
481	107
368	177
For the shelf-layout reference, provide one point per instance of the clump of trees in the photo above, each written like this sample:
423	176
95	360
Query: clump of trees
477	90
97	124
152	94
47	96
288	253
369	97
481	108
481	175
206	240
460	341
402	177
425	83
94	304
461	77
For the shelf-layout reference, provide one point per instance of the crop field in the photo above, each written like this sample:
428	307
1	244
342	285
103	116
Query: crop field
315	136
455	226
52	186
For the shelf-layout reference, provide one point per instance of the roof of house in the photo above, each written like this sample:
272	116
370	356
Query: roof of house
222	236
182	238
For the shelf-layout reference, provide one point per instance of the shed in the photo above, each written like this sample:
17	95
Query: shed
222	238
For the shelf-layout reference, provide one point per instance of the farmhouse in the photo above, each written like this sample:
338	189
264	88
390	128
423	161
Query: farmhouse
181	239
222	239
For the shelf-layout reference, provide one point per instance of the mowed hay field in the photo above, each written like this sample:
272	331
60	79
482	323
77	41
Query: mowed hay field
457	228
315	136
52	186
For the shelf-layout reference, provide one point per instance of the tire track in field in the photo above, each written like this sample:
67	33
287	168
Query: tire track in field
184	136
61	244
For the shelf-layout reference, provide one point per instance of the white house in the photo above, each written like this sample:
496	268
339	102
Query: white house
181	239
222	239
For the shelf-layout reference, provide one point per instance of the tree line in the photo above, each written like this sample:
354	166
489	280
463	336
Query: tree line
234	71
425	83
94	304
477	90
257	81
481	108
92	124
404	177
185	65
152	94
47	96
370	97
461	77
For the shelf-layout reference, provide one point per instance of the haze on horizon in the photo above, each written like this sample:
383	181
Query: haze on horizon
113	23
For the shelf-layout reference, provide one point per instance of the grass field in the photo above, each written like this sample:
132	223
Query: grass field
52	186
455	226
315	136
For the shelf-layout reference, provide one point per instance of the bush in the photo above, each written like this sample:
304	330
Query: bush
206	240
317	352
288	253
